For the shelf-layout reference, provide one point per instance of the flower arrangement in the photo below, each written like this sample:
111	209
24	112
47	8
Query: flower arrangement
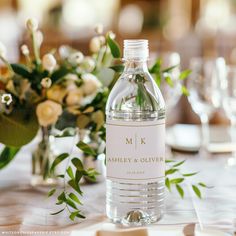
67	90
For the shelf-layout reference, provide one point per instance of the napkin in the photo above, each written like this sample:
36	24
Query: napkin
125	232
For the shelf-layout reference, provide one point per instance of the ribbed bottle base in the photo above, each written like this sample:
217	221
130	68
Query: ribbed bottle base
134	204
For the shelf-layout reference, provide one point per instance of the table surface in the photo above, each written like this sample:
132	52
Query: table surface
24	208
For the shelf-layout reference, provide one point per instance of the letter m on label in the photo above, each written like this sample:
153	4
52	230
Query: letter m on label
128	141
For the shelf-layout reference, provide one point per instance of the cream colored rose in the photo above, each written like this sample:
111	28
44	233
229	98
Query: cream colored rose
56	93
48	112
49	62
91	84
74	97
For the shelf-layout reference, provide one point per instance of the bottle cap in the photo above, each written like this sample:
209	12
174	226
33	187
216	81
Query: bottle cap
136	49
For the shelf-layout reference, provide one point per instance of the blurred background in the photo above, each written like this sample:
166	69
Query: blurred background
191	28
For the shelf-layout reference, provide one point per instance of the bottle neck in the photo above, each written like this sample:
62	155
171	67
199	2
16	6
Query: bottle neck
135	66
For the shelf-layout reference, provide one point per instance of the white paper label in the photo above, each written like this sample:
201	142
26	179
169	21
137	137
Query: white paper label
135	150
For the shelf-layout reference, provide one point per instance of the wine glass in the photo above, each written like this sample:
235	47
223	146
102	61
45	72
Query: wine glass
171	94
229	104
205	93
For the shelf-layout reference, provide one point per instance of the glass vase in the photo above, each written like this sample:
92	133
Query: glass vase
42	158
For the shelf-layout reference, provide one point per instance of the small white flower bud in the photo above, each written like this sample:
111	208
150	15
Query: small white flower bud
46	82
7	98
95	44
32	24
99	28
76	58
49	62
112	35
88	64
25	50
39	37
3	50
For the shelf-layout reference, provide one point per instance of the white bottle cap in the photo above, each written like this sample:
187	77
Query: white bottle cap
136	49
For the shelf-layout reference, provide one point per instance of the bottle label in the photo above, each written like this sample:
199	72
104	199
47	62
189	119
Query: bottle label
135	151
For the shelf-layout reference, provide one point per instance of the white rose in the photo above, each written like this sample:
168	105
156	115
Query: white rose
74	97
56	93
91	84
32	24
95	44
25	50
3	50
111	34
49	62
46	82
48	112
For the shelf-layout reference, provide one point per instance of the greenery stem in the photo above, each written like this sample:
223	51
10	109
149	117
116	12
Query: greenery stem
35	49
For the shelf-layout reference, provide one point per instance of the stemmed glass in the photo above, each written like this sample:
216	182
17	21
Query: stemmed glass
205	94
228	84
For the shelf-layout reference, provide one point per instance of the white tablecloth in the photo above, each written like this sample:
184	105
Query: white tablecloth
27	209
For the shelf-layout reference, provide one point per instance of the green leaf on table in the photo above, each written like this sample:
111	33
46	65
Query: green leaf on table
21	70
169	161
197	191
179	163
171	171
55	213
7	155
184	90
18	128
167	183
190	174
69	171
184	74
58	160
114	47
75	198
51	192
180	190
86	148
117	68
176	181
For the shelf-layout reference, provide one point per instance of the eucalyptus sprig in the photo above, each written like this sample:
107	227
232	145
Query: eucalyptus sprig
175	177
69	199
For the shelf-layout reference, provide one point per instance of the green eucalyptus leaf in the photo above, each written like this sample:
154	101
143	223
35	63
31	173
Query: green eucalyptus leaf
75	186
58	160
69	171
56	213
171	171
117	68
75	198
114	47
184	74
71	203
197	191
184	90
169	161
18	128
156	68
169	69
62	197
73	215
169	81
190	174
60	73
176	181
51	192
179	163
78	164
21	70
167	183
7	155
86	148
180	190
204	185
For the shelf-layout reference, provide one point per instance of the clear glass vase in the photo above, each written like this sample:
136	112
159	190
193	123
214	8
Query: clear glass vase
42	158
95	162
